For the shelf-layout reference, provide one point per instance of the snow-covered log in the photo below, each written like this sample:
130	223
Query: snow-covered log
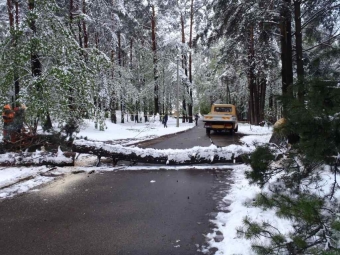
37	159
196	155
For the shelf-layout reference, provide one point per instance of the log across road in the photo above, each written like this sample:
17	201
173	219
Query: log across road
116	213
170	154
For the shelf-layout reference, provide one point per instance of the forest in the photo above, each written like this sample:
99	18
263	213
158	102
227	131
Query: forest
75	59
70	60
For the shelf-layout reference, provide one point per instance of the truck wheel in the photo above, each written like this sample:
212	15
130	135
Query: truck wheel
207	131
236	129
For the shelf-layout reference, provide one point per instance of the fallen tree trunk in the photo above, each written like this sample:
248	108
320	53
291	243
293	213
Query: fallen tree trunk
37	159
196	155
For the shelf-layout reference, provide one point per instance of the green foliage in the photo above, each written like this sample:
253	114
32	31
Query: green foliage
205	107
333	252
65	88
315	121
259	161
336	225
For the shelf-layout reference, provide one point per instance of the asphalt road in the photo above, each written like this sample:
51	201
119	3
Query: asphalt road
191	138
121	212
113	213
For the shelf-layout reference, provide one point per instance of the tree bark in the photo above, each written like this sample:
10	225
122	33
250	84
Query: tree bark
155	68
34	159
184	66
131	54
36	67
263	86
120	64
86	39
256	99
286	51
264	42
190	106
118	153
11	17
17	14
80	35
10	14
251	77
113	98
298	46
35	61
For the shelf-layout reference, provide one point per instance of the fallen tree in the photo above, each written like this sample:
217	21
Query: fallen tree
196	155
38	158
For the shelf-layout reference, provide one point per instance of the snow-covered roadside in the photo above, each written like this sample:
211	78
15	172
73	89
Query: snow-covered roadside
226	223
132	132
126	131
15	178
241	193
22	179
237	204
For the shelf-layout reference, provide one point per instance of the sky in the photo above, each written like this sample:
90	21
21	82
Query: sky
17	180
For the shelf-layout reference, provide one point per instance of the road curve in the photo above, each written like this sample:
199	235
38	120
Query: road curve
192	137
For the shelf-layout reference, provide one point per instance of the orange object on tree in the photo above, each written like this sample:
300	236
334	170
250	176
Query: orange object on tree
8	114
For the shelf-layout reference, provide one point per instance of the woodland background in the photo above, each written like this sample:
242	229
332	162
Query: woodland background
71	59
68	60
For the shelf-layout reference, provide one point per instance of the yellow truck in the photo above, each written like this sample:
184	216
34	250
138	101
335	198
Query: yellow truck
221	117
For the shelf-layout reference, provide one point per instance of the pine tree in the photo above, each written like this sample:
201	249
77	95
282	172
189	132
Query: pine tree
314	214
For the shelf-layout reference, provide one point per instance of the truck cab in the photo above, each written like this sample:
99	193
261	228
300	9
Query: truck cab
221	117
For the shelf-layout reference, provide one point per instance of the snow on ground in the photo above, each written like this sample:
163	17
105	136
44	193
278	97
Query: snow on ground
248	129
133	131
15	180
128	131
240	193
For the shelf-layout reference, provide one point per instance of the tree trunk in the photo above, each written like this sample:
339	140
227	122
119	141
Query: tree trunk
264	41
256	99
34	159
71	18
120	64
113	98
10	14
96	40
190	106
16	76
298	42
10	10
131	55
86	39
251	77
263	87
80	35
17	14
117	153
36	64
184	63
155	68
286	51
35	61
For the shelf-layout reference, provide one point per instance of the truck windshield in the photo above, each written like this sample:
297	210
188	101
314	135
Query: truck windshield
223	109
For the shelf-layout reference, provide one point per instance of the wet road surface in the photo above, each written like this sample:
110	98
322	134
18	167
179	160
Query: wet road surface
191	138
114	213
121	212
